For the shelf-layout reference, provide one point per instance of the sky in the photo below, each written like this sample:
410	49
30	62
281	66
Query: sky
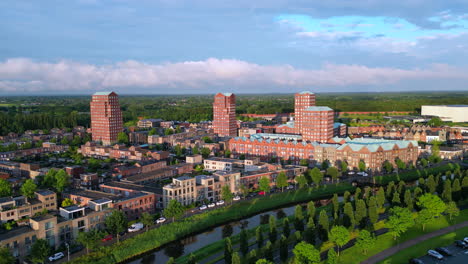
245	46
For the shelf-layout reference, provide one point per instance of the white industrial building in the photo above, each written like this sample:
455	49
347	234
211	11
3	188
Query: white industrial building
452	113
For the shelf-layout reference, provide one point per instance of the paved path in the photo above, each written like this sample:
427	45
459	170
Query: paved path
393	250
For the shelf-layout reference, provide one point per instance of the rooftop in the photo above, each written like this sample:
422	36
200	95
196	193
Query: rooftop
318	108
102	93
94	195
72	208
306	92
102	201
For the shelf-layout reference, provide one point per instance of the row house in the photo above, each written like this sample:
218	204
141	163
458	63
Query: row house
373	151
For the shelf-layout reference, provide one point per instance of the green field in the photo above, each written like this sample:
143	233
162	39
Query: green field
353	255
421	249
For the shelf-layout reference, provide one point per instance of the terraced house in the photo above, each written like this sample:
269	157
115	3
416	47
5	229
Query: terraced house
374	152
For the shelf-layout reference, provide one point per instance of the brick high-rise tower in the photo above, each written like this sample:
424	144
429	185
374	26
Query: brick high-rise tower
302	101
317	123
224	115
106	117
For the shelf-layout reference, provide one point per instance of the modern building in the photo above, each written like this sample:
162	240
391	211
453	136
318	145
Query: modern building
17	208
149	123
451	113
106	117
224	115
182	189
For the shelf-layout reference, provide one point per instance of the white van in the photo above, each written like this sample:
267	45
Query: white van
135	227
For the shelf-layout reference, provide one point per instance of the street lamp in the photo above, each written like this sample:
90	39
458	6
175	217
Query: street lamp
68	251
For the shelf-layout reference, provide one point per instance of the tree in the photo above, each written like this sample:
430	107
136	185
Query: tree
244	190
323	220
273	232
400	164
305	253
373	211
424	162
316	176
340	236
264	184
263	261
452	210
336	204
349	219
362	165
268	251
259	237
432	207
67	202
380	199
236	258
195	150
298	218
122	137
283	248
6	257
244	242
252	257
5	188
89	239
344	166
333	173
332	257
226	193
282	181
399	221
409	200
447	193
301	180
388	166
228	250
205	152
62	180
170	261
174	210
456	190
116	223
192	259
286	228
311	209
396	198
40	250
365	241
28	188
435	122
431	184
304	162
361	211
146	219
324	165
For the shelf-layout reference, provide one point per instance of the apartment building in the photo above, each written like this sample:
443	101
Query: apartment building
56	229
224	115
182	189
106	117
149	123
15	208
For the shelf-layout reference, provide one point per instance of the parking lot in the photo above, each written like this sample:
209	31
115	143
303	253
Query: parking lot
459	256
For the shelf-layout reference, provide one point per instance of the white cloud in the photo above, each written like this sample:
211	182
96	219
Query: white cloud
25	75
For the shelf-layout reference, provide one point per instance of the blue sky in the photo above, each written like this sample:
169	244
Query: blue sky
205	46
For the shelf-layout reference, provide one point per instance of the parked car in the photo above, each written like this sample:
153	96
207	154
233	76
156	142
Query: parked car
351	172
56	256
107	238
435	254
444	251
416	261
236	198
465	240
203	207
135	227
211	205
76	249
290	187
461	244
221	202
160	220
261	193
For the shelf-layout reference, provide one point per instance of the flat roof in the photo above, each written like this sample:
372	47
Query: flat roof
318	108
132	186
72	208
45	192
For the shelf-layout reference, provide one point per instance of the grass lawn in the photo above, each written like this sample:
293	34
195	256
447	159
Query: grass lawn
353	255
421	249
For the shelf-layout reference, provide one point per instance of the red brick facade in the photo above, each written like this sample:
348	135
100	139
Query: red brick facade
106	117
224	115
